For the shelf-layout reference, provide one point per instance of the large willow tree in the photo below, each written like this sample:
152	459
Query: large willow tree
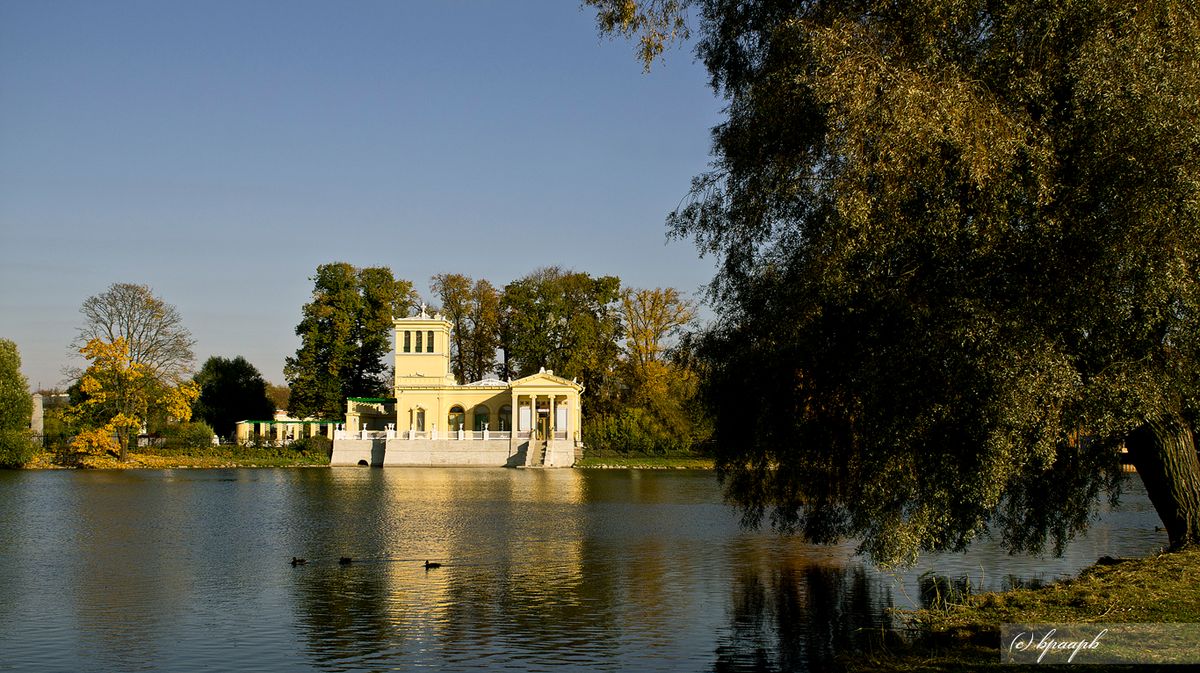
960	247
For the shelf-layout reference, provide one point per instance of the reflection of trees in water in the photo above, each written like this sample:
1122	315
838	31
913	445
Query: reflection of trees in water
347	615
526	590
531	615
123	559
396	614
800	618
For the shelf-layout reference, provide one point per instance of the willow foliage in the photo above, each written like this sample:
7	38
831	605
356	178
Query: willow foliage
959	243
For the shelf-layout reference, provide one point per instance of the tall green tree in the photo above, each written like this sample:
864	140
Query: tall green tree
562	320
958	245
345	334
16	409
473	308
231	390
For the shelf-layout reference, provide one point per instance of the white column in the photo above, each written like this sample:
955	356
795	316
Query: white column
533	416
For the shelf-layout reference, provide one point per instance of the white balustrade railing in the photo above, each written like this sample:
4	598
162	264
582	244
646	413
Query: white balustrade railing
364	434
459	435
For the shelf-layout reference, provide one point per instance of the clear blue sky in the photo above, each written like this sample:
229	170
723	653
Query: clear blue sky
220	151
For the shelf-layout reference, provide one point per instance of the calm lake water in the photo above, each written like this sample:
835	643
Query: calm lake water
544	570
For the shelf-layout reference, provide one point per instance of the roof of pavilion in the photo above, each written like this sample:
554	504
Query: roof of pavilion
545	377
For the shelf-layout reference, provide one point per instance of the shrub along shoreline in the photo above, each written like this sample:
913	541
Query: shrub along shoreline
172	453
209	457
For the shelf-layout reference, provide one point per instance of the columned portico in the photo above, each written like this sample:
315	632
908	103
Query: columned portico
548	419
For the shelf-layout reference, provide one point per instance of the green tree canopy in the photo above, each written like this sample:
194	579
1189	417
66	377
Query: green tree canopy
278	394
959	246
231	390
473	308
16	409
345	332
562	320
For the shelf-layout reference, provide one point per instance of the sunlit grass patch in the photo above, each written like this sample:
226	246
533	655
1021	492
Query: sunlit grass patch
965	635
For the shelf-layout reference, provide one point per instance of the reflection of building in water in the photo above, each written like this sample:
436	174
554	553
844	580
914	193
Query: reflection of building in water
434	420
511	544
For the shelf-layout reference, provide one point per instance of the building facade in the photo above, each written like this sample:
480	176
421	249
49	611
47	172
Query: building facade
431	419
282	429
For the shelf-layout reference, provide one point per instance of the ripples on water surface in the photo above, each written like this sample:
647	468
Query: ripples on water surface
188	570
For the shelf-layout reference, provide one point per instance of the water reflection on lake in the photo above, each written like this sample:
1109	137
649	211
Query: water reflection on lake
543	570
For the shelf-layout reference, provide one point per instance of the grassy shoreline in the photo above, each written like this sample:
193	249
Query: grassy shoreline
206	458
644	462
966	636
234	456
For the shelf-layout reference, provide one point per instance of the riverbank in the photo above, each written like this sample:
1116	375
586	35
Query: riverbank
965	636
208	457
235	456
644	462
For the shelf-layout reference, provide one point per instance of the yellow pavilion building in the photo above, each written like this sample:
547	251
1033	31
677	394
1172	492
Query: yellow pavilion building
431	419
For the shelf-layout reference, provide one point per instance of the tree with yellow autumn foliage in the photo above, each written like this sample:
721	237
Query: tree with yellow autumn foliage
118	394
658	409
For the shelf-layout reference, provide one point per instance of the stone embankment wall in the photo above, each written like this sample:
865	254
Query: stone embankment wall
443	453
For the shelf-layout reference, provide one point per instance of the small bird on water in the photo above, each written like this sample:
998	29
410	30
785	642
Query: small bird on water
298	561
345	560
429	565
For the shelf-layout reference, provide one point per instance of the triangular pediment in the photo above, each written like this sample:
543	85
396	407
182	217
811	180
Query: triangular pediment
545	378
